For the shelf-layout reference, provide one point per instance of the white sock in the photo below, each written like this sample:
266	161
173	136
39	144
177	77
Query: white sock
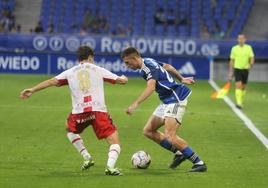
199	163
77	142
113	154
178	152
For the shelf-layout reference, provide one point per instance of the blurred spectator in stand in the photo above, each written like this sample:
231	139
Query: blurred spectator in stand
39	28
95	28
102	23
16	29
83	30
171	18
51	28
7	20
205	33
183	19
129	30
1	29
121	31
89	19
160	17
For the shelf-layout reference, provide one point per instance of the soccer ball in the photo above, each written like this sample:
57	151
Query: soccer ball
141	160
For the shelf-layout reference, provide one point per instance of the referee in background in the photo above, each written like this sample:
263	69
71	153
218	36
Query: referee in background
241	60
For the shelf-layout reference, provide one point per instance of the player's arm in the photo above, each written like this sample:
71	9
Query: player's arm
111	77
231	64
26	93
173	71
145	94
252	59
121	79
231	69
176	74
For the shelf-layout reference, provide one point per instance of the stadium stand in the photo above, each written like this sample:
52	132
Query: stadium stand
7	19
191	18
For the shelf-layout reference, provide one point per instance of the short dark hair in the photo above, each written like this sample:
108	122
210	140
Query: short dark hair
84	52
128	51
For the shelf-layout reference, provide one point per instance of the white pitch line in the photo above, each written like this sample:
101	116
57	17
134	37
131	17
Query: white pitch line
250	125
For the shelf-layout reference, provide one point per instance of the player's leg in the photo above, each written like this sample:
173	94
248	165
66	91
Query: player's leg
114	149
113	154
238	88
150	130
171	125
173	117
244	84
73	133
104	128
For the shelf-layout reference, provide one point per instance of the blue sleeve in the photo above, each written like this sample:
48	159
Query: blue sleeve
161	63
153	74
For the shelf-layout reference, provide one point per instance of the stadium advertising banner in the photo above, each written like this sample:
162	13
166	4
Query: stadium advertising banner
23	63
108	45
33	63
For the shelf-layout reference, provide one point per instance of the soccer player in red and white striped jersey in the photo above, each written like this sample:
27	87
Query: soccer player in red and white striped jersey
86	81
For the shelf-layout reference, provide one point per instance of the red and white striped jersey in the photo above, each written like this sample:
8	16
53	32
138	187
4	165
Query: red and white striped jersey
86	84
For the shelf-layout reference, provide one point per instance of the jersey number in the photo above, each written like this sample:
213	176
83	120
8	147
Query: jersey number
170	79
84	83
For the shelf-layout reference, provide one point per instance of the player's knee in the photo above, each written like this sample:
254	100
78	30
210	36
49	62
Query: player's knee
238	85
170	138
68	130
147	132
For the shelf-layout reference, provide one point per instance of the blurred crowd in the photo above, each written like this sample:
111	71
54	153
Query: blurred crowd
8	20
93	23
169	17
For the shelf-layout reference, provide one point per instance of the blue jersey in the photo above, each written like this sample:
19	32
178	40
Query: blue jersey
169	91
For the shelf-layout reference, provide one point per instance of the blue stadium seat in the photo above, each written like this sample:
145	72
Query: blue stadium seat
139	14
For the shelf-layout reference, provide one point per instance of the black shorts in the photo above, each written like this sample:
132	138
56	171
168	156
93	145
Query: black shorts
241	75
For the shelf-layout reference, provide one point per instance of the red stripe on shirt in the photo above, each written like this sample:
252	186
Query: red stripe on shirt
88	109
87	98
62	82
109	80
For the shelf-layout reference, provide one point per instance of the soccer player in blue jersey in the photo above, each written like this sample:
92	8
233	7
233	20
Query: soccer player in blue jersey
173	96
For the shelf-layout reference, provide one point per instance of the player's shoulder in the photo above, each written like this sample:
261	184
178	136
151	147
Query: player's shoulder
151	63
235	47
248	46
92	66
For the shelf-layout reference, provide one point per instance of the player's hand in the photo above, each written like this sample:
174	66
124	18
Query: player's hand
26	93
230	77
250	66
131	108
124	79
188	80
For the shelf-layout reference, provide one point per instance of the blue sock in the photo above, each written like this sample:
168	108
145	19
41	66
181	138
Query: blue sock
191	155
167	145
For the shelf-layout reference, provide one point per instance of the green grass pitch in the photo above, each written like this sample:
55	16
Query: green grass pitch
35	151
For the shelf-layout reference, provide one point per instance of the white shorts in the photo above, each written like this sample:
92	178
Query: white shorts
174	110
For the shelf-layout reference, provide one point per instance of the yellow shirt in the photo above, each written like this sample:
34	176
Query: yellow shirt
241	56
